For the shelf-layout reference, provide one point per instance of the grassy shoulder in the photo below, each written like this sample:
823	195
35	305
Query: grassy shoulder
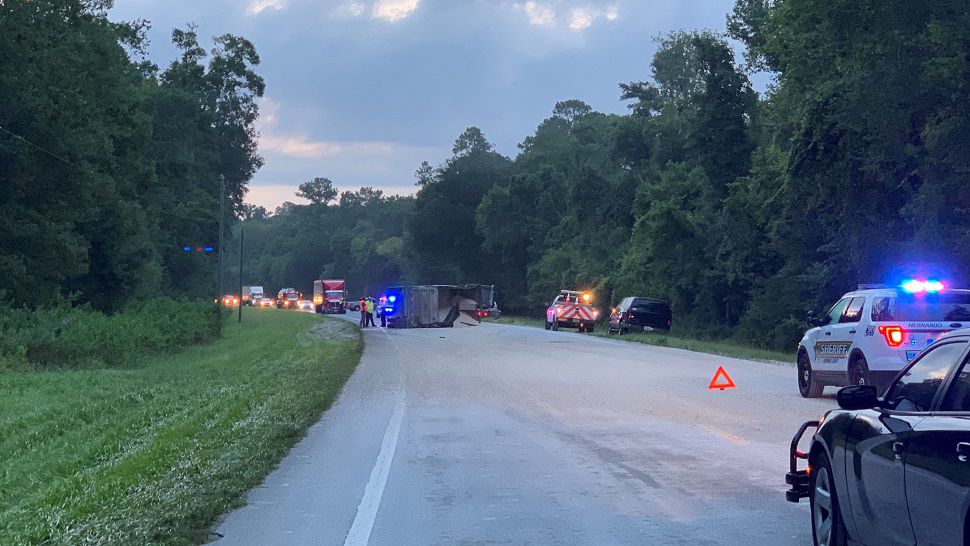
154	454
725	348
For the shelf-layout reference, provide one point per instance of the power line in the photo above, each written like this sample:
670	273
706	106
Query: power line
45	150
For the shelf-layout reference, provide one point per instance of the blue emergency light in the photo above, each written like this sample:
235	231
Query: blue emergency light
915	286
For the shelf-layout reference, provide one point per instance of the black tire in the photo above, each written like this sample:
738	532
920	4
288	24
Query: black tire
590	329
828	527
859	372
808	386
555	325
548	325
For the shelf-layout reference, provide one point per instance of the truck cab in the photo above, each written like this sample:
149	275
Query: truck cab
330	296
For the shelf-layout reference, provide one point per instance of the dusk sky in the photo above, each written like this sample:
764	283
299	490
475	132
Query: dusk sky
361	91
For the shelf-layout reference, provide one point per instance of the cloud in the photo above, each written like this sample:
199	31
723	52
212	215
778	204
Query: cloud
539	14
298	146
269	111
350	10
256	7
301	146
388	10
582	18
394	10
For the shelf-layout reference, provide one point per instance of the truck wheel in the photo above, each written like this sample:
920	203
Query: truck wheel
590	328
808	386
828	528
555	325
859	372
548	325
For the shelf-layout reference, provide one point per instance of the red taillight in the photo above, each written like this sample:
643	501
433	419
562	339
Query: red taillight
670	323
629	316
893	335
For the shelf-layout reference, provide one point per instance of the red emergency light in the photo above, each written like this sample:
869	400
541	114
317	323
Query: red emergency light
893	335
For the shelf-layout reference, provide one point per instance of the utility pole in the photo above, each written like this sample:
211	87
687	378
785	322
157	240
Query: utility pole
242	233
222	229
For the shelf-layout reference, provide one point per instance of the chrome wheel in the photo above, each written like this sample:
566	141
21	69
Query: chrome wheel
859	372
822	516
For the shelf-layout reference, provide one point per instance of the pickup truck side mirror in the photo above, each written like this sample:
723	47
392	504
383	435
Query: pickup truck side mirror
857	397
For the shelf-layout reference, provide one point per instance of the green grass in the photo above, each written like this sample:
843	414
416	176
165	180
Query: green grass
153	455
725	348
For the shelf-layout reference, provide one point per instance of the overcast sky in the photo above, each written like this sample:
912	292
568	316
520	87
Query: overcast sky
361	91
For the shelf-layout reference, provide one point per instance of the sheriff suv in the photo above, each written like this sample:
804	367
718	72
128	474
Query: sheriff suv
870	334
895	469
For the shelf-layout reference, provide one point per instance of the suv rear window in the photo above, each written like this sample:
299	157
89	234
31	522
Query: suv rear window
648	306
929	307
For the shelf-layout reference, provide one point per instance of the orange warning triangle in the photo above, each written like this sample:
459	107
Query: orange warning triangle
721	374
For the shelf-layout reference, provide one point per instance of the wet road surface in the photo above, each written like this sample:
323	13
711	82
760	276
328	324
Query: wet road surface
515	435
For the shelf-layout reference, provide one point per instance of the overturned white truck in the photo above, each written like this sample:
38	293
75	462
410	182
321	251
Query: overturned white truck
436	305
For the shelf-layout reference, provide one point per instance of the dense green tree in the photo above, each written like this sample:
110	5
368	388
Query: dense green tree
319	191
108	167
442	239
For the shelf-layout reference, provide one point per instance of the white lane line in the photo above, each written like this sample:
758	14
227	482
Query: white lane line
359	534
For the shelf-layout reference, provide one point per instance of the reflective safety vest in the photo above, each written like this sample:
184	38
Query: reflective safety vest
370	306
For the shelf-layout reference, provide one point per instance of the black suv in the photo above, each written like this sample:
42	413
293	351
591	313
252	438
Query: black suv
636	314
896	469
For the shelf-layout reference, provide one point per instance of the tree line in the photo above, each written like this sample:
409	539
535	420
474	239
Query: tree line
743	210
111	165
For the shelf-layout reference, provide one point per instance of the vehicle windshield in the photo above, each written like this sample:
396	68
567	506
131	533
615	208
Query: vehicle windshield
335	293
947	306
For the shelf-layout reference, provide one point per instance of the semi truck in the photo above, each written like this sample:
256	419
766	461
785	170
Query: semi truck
330	296
436	306
252	294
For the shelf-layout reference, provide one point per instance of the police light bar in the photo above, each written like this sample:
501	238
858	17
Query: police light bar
914	286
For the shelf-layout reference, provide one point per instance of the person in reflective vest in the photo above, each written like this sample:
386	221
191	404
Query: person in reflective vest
363	313
370	312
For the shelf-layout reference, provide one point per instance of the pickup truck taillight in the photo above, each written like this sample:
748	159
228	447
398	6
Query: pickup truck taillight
893	335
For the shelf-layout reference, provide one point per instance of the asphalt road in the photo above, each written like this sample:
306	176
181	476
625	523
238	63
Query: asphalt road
516	435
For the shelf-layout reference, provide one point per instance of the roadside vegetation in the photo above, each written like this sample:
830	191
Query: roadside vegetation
716	347
153	453
66	338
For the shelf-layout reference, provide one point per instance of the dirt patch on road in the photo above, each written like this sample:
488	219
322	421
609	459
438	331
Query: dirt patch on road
333	330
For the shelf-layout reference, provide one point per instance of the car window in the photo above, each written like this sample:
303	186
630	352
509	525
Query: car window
853	312
958	396
835	313
651	306
953	306
882	309
917	386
